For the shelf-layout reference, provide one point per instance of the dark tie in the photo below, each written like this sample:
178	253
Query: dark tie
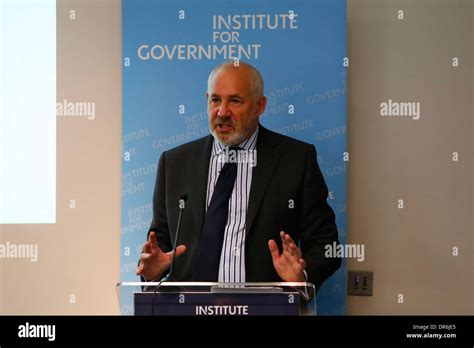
212	236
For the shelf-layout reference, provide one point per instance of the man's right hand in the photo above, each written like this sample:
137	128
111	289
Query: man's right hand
153	261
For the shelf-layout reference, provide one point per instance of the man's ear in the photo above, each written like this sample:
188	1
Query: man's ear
261	104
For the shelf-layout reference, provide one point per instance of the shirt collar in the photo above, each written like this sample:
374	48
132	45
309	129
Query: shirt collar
248	144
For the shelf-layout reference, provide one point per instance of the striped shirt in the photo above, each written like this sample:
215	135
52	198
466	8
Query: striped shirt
232	263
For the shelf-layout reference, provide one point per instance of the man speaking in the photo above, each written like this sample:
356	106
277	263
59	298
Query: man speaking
256	208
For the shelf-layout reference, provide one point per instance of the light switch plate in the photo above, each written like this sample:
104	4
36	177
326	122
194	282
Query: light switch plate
360	283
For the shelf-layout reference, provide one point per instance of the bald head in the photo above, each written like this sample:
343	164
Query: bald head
235	102
245	70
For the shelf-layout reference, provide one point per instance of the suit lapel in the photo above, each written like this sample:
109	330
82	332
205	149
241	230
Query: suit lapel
198	170
267	160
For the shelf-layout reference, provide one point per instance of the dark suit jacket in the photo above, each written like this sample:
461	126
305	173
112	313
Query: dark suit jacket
286	170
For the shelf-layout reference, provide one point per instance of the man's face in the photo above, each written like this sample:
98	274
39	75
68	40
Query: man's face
233	111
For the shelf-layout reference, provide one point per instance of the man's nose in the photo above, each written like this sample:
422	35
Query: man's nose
223	110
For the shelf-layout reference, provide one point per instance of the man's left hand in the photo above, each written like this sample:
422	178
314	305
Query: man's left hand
289	264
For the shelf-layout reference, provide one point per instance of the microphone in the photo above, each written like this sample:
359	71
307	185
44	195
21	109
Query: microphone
181	205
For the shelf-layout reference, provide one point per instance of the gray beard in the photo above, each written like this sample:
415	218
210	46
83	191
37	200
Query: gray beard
235	139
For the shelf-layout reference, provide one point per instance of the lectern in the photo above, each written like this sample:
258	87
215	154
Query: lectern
221	299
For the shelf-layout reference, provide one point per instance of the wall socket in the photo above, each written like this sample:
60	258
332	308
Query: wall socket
360	283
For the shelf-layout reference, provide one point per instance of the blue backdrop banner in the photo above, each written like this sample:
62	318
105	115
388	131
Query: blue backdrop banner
169	49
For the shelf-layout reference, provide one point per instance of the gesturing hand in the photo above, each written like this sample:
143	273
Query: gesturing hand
289	264
153	261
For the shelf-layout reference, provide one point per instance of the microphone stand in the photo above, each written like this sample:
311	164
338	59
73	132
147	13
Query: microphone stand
182	201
